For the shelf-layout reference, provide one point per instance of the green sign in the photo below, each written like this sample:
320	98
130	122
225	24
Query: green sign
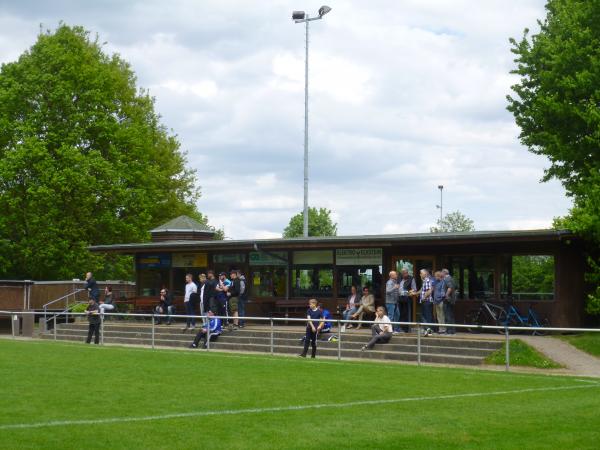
227	258
264	259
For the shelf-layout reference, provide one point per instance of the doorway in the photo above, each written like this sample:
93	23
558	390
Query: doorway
413	264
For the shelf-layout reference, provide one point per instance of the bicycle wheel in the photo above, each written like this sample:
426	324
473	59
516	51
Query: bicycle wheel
502	321
546	324
473	318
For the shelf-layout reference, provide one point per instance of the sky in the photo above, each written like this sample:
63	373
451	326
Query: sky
405	95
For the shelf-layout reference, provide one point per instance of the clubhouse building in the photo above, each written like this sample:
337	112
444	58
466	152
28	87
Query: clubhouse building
540	267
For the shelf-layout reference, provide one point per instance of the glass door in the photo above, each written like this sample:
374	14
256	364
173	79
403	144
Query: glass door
413	264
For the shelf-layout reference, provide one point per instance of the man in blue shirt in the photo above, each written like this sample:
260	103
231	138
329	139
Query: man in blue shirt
214	325
439	295
313	327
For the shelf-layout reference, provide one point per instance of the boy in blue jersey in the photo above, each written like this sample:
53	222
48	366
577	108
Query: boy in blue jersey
214	324
326	318
314	325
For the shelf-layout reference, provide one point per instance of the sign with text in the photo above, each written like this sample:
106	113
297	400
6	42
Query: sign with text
264	259
190	260
154	260
229	258
358	256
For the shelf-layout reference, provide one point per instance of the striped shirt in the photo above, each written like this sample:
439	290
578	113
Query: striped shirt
426	286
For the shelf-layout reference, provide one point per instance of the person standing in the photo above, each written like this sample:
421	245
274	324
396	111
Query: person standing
202	299
233	295
92	287
426	300
381	330
243	299
210	291
407	284
439	296
221	295
392	288
313	326
450	300
93	314
190	290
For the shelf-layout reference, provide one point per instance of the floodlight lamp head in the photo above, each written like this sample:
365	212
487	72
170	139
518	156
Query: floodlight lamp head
298	15
324	10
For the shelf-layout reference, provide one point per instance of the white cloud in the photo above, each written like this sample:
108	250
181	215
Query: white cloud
404	96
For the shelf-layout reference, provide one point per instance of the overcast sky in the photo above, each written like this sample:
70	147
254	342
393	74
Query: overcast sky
405	95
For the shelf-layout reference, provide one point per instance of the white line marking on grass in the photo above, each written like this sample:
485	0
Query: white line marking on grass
229	412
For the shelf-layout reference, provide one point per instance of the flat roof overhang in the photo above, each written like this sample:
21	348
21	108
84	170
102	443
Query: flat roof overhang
379	240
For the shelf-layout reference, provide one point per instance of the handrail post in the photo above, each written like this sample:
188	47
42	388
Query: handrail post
339	339
13	317
54	326
272	337
208	332
102	329
507	356
152	331
418	344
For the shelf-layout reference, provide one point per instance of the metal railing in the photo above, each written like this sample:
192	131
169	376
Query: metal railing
65	298
271	321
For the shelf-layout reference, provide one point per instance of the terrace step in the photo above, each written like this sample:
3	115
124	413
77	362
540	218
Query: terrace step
447	350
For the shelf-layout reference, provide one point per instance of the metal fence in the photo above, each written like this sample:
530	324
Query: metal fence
272	321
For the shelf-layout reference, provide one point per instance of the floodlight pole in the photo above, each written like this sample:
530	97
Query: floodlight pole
441	205
306	21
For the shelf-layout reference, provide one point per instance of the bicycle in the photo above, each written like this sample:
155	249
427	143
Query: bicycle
514	318
487	314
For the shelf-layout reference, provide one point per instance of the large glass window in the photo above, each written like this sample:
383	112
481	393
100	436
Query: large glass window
475	275
268	281
528	277
151	281
359	276
312	281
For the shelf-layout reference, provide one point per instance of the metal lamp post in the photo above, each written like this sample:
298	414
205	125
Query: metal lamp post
302	17
441	205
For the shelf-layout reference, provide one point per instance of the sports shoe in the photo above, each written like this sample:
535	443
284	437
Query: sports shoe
193	346
302	355
343	330
363	348
429	332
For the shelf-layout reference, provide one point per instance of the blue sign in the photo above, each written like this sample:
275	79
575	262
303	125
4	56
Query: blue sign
154	261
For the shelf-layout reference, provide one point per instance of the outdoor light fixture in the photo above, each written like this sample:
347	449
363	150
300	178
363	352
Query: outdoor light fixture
302	17
324	10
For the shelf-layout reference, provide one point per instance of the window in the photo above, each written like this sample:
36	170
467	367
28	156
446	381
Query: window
268	281
312	281
359	277
475	275
528	277
151	281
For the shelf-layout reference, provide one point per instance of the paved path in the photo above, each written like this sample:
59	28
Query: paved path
575	361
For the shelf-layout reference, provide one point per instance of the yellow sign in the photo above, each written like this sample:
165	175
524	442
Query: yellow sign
190	260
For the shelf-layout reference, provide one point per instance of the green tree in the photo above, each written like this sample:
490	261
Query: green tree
556	104
319	224
84	160
453	222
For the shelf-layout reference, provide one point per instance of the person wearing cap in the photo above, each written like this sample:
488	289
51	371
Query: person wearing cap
222	288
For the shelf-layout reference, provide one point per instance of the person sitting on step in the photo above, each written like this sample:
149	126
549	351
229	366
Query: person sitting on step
214	325
381	330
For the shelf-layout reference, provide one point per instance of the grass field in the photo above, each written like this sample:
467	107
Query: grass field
588	342
522	354
72	396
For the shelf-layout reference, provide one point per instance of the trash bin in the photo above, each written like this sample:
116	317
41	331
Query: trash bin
28	321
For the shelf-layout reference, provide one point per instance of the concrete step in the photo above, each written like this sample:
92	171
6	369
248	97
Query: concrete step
347	338
380	352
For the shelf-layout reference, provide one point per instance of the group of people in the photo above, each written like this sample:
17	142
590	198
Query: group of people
96	306
438	293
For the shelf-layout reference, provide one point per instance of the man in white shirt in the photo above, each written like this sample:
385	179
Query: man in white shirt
381	330
188	301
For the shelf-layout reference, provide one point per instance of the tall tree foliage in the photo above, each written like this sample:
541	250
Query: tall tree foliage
319	224
453	222
84	160
557	107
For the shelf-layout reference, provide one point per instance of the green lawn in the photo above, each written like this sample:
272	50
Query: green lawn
588	342
522	354
428	407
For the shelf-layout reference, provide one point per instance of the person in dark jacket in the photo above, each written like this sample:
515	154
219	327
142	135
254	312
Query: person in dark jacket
93	315
165	306
92	287
234	296
210	291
